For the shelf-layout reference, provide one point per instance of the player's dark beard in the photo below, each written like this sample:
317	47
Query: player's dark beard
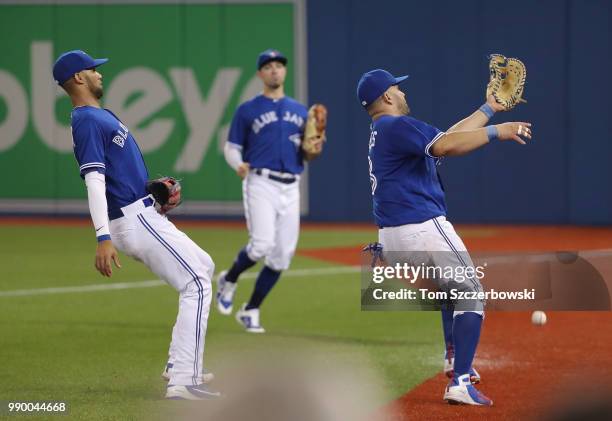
274	85
98	92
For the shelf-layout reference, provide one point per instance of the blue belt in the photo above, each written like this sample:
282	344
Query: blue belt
118	213
284	180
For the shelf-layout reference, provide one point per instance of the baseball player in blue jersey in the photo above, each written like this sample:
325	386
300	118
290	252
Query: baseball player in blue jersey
264	147
124	217
410	209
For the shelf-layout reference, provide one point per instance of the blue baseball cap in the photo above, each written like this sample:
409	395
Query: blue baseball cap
374	83
72	62
268	56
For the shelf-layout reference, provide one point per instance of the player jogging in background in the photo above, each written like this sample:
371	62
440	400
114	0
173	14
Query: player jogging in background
410	210
124	217
264	147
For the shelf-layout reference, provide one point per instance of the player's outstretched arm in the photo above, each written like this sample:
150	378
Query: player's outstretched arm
465	141
480	117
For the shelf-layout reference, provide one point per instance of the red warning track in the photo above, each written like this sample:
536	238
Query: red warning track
527	370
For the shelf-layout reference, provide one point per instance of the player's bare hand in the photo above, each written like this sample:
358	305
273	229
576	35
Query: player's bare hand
243	169
106	254
516	130
497	107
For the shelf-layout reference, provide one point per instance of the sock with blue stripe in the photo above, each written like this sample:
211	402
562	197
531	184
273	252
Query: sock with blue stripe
466	334
242	263
265	281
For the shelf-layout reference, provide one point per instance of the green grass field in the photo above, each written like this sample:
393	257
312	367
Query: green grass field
103	351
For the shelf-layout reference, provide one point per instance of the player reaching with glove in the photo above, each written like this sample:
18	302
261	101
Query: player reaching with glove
410	209
124	217
270	138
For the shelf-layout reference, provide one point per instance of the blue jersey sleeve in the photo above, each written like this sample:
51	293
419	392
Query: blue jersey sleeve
413	137
89	147
239	129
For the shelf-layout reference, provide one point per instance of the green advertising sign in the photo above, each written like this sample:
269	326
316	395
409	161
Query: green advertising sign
176	74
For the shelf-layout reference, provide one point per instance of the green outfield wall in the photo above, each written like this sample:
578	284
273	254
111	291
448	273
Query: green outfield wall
176	74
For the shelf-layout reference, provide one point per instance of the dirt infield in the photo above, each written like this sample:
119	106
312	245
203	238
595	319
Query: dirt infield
497	239
527	370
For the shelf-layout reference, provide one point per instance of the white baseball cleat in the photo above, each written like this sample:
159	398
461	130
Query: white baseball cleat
207	376
249	319
191	393
460	390
449	362
225	294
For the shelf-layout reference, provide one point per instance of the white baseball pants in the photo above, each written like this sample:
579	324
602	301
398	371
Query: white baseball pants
272	211
433	243
151	238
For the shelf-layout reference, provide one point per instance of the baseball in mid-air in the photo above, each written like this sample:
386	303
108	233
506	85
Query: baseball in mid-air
538	318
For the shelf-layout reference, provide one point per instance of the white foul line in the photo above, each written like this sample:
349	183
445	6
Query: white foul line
335	270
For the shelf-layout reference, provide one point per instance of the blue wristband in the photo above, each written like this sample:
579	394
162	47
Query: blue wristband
487	110
103	238
492	132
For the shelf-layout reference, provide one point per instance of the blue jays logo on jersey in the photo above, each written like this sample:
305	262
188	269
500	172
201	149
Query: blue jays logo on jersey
293	118
270	117
263	120
122	135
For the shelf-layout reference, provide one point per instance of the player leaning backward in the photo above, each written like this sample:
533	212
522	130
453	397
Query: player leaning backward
265	148
124	217
410	210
